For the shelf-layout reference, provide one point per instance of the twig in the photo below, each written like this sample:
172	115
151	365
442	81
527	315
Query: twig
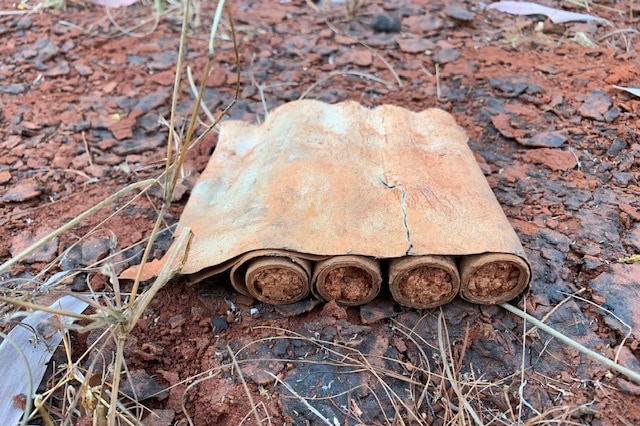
335	73
304	401
438	90
588	352
35	246
630	330
194	90
87	150
523	382
373	52
156	20
447	370
554	309
244	385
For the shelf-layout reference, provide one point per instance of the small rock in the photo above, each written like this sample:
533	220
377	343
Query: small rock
448	54
109	87
619	287
552	254
423	23
197	313
622	178
332	309
553	139
5	176
595	105
153	100
552	158
13	89
90	251
159	417
611	115
83	69
380	41
120	127
46	49
386	23
23	24
94	249
217	78
340	39
97	282
140	386
79	283
377	310
297	308
68	46
512	86
633	238
617	145
503	124
362	57
629	387
219	324
261	364
24	239
459	13
138	145
149	122
61	68
23	191
176	321
415	44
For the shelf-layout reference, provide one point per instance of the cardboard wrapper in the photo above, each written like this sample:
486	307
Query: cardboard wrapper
341	200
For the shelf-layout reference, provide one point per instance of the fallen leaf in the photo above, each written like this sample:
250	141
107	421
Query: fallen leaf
557	16
633	90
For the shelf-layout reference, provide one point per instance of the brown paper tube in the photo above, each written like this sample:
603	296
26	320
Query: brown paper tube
423	282
492	278
277	280
349	280
239	266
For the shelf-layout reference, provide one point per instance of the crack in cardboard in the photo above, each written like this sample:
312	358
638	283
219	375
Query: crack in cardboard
403	206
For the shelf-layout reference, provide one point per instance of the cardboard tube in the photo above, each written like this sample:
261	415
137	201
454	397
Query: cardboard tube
272	276
423	282
349	280
276	280
491	278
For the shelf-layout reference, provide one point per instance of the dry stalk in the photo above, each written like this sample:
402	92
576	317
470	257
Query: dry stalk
234	361
633	375
304	401
335	73
38	244
373	52
445	353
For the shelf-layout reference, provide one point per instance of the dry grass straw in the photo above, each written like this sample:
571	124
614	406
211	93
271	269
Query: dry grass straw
633	375
436	386
85	391
427	385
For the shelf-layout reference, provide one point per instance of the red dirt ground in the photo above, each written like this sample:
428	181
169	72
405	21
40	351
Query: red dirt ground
79	108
